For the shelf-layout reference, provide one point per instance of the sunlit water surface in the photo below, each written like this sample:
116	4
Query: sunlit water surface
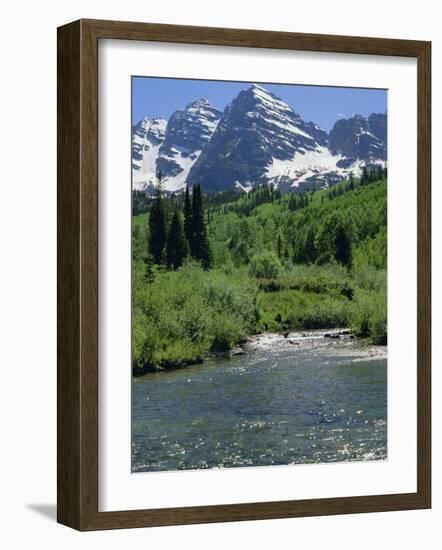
277	404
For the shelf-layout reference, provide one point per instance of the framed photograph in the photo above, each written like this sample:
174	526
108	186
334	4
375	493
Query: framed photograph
243	275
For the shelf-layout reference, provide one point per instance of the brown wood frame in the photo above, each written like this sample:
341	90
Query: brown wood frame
77	224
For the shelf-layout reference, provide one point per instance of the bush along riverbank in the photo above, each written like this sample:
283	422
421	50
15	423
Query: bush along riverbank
263	262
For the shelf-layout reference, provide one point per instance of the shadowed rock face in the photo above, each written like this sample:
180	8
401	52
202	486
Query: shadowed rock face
255	128
257	139
146	134
378	123
192	127
187	133
360	138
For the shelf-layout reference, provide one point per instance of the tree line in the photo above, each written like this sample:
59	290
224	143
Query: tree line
181	234
304	229
179	226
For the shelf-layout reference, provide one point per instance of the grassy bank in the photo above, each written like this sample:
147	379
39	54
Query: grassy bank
313	297
276	266
182	315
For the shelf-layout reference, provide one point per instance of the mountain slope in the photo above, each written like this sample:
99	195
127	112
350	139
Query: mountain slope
257	139
147	137
178	147
360	138
255	129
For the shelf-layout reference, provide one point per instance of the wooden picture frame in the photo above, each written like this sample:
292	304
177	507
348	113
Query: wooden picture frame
78	274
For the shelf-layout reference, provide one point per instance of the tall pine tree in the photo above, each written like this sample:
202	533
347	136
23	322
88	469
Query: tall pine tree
188	218
279	245
364	177
200	247
343	248
177	248
380	173
157	225
351	182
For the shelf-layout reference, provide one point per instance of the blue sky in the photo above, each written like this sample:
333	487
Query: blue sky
159	97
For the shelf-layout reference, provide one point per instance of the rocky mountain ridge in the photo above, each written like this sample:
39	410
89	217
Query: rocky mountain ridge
257	139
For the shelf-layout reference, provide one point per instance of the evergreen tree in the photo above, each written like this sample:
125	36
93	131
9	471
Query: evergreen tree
177	248
343	252
200	247
157	225
149	274
292	202
197	221
334	240
309	246
279	245
364	177
351	182
380	174
188	218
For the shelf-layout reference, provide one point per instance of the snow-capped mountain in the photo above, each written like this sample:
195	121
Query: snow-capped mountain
360	138
147	136
255	130
257	139
186	134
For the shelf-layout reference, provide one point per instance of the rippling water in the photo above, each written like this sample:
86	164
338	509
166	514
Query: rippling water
278	404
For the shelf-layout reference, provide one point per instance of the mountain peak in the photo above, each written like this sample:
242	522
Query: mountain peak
202	104
258	96
360	137
147	123
202	101
255	129
142	124
259	92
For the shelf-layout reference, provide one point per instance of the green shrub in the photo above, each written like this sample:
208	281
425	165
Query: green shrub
296	310
369	318
372	252
265	265
183	314
370	278
225	331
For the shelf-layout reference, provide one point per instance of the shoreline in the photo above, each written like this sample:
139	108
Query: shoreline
340	341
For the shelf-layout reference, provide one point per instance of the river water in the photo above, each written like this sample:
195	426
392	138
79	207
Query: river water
286	401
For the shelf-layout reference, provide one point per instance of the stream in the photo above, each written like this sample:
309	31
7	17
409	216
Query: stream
302	399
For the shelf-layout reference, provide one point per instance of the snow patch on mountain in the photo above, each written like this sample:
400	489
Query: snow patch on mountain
144	172
303	165
183	161
319	167
246	188
147	138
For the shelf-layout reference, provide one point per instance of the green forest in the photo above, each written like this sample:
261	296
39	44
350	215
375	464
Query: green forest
210	270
